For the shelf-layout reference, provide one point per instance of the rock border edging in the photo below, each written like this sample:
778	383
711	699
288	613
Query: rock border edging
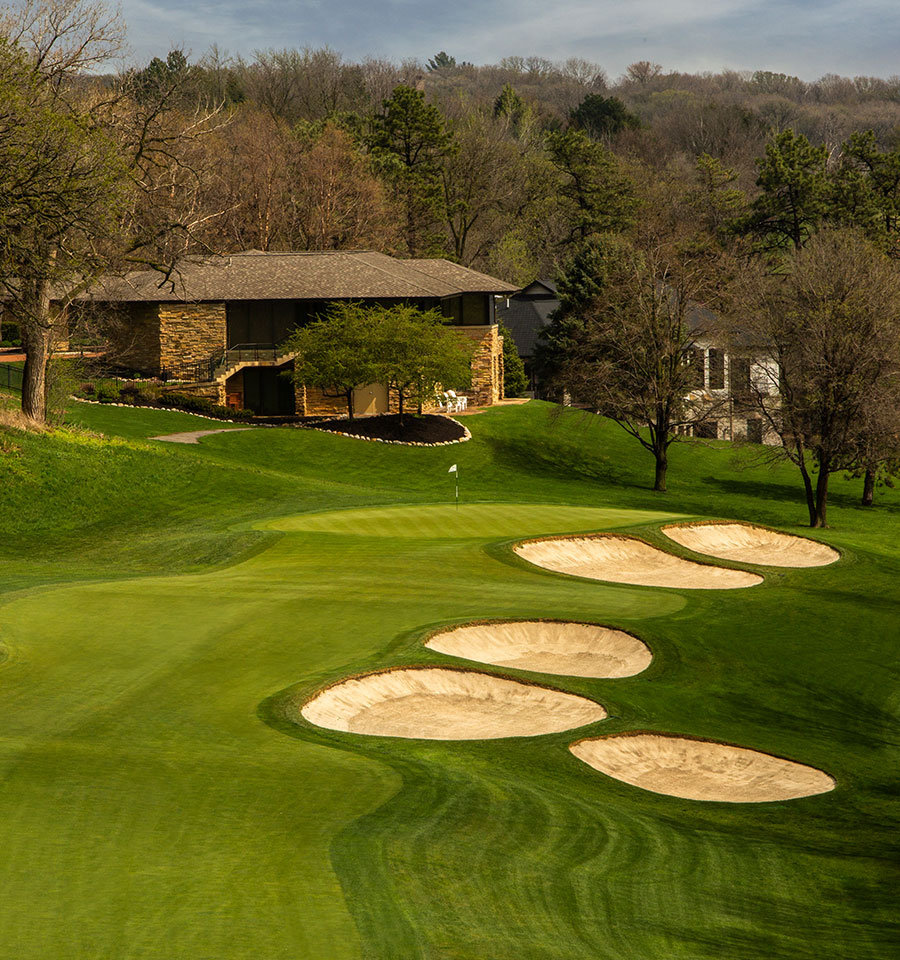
403	443
302	426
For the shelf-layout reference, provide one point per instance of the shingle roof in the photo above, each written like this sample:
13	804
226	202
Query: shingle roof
525	319
330	275
541	288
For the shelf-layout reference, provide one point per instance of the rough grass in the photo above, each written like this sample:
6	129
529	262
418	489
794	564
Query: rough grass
166	606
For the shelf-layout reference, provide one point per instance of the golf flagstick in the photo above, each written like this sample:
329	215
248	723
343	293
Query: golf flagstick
454	469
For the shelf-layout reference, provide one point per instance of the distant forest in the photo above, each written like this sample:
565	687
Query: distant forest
314	152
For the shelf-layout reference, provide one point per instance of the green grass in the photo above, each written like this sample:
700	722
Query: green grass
164	606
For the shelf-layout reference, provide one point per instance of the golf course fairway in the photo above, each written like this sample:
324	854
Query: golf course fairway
165	610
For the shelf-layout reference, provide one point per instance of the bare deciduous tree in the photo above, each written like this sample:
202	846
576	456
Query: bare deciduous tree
64	37
830	324
62	176
626	350
335	201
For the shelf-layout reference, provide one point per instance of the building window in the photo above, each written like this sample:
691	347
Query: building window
716	367
755	430
739	374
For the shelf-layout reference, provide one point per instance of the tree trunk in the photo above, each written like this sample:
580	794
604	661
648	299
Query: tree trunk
400	407
660	439
662	465
868	496
37	340
349	396
820	519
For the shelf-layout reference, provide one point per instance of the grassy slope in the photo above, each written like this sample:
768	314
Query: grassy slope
155	803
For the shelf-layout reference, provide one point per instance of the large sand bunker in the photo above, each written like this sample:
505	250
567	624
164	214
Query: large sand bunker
547	646
433	703
628	560
749	544
700	770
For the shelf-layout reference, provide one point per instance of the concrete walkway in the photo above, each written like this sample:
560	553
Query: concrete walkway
193	436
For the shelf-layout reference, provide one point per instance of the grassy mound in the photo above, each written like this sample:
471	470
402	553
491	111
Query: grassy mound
166	606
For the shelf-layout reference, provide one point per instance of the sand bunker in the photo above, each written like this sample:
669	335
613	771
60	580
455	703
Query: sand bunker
547	646
628	560
699	770
749	544
441	704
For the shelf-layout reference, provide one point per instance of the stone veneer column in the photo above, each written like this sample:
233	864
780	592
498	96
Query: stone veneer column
487	364
190	332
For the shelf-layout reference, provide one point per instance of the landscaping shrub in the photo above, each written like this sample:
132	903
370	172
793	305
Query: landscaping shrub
137	395
191	404
184	401
132	393
107	395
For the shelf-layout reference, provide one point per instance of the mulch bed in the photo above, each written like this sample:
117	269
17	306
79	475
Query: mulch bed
415	429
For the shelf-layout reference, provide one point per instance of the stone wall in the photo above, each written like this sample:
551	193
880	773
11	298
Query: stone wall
487	364
312	402
190	332
133	331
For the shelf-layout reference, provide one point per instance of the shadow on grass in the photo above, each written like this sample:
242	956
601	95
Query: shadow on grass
791	930
559	459
786	493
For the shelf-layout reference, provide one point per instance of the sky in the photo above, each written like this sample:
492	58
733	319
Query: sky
806	38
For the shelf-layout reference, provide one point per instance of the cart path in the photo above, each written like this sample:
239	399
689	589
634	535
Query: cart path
193	436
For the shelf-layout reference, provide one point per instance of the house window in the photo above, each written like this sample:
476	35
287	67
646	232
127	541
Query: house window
716	368
452	309
264	322
695	363
755	430
739	370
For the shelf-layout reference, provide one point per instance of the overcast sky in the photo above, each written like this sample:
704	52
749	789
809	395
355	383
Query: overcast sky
807	38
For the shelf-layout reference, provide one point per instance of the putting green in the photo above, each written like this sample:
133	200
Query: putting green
471	520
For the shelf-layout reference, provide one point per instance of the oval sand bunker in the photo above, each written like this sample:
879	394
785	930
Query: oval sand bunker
434	703
748	544
547	646
700	770
628	560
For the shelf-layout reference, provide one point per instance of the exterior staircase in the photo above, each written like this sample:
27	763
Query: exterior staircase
220	366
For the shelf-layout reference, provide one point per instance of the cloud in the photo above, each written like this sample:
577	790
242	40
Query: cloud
798	36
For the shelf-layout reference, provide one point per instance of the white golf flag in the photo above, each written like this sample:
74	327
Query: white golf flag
453	469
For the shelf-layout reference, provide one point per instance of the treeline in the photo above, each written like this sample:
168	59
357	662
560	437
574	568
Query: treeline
310	151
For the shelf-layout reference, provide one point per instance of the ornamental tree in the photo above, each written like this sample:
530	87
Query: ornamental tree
410	351
336	353
417	353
